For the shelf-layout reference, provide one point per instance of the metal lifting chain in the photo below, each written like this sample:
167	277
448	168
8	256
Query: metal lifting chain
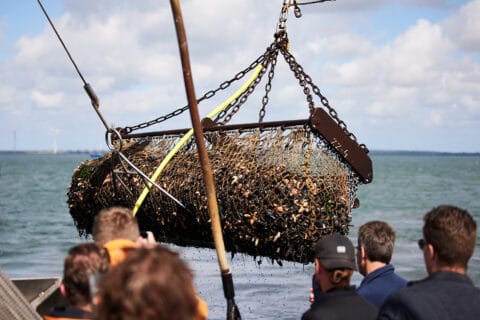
305	81
224	85
268	86
235	105
270	55
300	76
282	20
269	60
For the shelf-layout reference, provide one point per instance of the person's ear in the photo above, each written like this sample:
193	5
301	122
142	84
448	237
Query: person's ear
63	290
431	251
317	266
363	254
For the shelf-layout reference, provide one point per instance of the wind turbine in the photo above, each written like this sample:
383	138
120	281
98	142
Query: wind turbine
55	133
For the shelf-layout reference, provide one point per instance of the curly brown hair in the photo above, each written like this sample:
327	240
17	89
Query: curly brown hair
152	283
82	261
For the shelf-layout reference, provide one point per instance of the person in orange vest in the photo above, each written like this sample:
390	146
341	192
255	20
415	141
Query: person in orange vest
117	230
82	262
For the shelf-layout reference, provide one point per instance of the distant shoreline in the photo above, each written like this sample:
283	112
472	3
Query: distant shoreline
421	153
59	152
371	153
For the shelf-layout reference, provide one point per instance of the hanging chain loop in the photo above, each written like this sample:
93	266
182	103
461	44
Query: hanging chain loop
268	86
306	82
269	60
282	20
209	94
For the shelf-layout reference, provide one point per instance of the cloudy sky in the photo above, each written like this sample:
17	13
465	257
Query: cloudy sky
402	74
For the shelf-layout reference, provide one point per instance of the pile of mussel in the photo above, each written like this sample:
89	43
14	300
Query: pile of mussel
278	191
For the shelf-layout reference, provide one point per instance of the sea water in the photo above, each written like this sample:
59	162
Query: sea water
36	229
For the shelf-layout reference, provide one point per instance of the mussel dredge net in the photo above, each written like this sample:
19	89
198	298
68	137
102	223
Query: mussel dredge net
279	190
279	187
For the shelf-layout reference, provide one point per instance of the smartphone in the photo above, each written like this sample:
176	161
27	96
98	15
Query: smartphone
317	292
93	280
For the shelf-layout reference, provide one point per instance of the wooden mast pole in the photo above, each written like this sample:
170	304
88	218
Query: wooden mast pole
232	310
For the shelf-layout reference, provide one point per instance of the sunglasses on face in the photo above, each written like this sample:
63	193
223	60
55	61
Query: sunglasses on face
421	244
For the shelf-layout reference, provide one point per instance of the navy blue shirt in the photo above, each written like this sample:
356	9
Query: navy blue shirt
443	295
379	284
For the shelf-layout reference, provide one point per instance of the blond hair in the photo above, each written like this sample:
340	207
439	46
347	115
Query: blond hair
115	223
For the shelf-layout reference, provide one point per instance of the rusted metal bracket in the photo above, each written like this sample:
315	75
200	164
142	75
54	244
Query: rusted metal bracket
319	120
345	146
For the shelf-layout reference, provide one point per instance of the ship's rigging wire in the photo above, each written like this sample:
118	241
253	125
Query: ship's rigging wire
96	105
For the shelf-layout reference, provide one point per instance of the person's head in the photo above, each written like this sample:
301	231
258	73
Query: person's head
376	240
81	262
334	261
449	235
152	283
115	223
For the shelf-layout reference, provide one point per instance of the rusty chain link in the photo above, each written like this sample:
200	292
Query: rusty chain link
224	85
235	105
243	98
269	60
305	81
272	62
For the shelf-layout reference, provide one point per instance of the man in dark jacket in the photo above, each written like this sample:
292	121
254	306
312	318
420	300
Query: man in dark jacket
334	265
448	242
376	240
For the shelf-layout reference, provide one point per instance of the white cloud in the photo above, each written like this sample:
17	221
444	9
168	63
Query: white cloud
404	79
127	50
6	95
464	26
31	50
435	120
342	45
47	100
472	104
427	3
417	56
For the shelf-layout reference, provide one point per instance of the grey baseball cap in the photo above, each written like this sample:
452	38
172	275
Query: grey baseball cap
335	251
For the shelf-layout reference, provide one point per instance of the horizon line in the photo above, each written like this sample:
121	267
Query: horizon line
373	151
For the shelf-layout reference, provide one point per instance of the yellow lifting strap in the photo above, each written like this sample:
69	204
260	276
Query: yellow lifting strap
189	134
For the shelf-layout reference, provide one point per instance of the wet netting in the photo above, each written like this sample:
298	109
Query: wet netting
279	190
280	185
